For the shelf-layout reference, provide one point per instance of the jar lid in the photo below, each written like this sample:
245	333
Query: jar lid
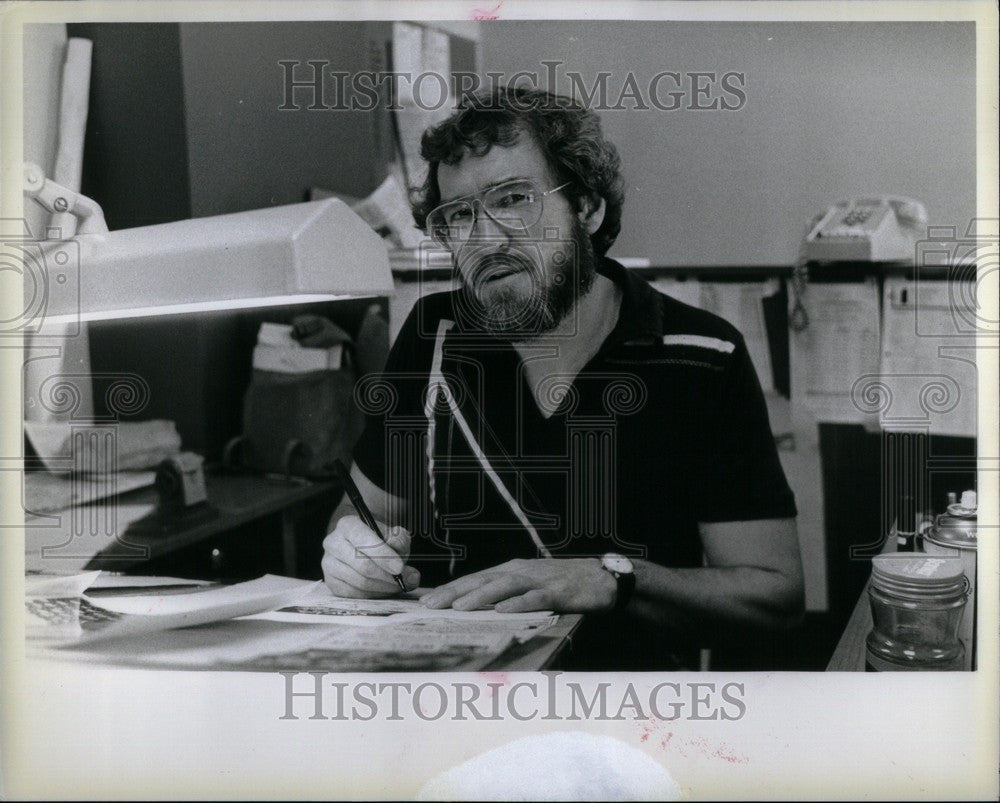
918	575
954	531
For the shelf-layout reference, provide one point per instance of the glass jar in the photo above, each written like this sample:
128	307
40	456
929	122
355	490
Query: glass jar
917	603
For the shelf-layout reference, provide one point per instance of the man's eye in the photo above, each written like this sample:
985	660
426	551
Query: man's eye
459	215
513	199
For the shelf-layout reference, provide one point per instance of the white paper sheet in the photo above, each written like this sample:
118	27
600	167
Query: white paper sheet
417	50
389	649
321	606
520	626
58	585
388	208
220	645
928	373
836	354
144	614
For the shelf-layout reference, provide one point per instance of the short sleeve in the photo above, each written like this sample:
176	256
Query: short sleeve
739	475
389	449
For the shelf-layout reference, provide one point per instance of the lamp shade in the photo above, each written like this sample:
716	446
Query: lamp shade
282	254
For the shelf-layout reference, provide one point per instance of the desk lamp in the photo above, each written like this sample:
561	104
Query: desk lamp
315	251
294	254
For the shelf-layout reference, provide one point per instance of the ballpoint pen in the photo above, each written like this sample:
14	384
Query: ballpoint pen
359	504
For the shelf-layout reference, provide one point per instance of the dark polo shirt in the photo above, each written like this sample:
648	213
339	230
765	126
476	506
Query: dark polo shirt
665	427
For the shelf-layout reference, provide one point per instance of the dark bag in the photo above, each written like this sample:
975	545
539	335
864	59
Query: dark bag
300	423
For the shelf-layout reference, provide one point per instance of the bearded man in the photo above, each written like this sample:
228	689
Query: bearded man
555	434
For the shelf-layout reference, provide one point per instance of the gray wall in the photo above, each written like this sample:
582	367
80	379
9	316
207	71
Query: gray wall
247	153
833	110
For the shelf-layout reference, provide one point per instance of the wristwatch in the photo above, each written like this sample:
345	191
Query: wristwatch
623	571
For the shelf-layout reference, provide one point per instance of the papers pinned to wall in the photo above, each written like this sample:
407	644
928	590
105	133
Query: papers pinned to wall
420	51
907	363
837	350
927	378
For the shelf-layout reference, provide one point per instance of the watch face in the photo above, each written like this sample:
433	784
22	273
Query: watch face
617	563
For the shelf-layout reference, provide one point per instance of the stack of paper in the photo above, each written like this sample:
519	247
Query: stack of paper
102	619
240	628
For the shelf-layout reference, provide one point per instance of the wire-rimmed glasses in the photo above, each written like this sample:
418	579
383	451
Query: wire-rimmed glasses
515	205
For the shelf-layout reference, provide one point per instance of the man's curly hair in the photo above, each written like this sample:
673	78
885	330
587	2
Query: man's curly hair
568	134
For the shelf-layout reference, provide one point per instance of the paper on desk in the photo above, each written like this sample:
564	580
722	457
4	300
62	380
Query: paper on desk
836	351
458	624
58	585
230	644
150	613
928	358
320	606
391	649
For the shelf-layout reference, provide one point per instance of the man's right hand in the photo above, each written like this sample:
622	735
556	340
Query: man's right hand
357	563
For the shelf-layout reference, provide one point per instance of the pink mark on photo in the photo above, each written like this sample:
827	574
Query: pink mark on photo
486	13
500	678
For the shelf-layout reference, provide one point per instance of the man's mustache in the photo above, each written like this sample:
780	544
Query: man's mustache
481	268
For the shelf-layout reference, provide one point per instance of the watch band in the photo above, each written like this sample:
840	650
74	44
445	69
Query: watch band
626	587
625	579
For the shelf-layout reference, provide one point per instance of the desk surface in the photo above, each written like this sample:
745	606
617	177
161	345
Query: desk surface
238	500
98	534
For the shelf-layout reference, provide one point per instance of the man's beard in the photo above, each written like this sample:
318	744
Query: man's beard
508	313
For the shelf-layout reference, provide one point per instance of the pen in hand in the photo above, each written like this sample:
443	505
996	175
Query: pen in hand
358	501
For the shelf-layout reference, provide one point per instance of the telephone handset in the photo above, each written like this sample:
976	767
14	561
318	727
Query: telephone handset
883	229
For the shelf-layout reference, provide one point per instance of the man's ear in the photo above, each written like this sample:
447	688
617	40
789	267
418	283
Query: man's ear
591	212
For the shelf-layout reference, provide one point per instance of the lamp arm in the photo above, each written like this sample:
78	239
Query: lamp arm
56	198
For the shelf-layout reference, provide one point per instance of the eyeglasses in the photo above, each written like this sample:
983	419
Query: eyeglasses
515	205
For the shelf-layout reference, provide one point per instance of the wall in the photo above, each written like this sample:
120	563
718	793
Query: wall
833	110
135	161
247	153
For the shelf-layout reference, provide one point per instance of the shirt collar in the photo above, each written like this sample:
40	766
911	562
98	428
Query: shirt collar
641	314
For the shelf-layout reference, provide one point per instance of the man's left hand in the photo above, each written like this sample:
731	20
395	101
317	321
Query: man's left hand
564	585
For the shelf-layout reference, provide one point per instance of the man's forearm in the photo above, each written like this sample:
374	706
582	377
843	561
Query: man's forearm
715	599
